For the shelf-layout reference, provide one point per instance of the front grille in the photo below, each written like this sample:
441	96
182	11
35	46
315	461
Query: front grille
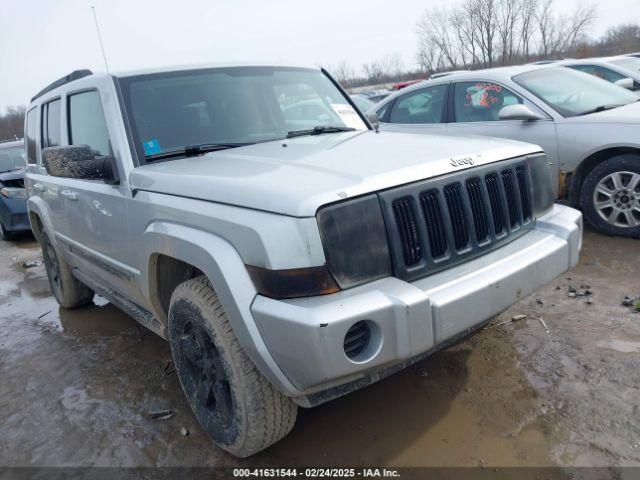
440	222
436	233
408	228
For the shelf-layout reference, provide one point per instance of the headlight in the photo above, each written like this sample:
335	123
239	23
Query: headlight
543	192
13	192
355	242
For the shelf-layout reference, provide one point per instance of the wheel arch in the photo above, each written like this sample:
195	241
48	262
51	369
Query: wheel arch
589	163
173	249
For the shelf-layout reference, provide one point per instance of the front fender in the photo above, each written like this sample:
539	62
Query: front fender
222	265
37	206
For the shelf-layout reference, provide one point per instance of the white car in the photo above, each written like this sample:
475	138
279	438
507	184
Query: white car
624	71
589	128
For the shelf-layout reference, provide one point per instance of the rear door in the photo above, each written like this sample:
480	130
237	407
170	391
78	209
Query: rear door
475	109
417	111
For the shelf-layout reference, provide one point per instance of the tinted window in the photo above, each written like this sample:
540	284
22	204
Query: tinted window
481	101
421	106
600	72
30	136
51	126
86	122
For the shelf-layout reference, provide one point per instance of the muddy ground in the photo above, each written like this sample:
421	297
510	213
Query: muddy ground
76	387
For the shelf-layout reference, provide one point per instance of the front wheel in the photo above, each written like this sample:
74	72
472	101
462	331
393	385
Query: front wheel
610	196
235	404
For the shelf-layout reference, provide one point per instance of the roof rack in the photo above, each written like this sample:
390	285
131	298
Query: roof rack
75	75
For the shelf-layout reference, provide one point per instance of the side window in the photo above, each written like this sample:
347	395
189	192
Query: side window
382	112
30	136
600	72
481	101
421	106
86	122
51	126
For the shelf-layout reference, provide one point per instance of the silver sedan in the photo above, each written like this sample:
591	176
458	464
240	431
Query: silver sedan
589	128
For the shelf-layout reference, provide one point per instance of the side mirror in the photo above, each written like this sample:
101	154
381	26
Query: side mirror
518	112
625	83
79	161
373	119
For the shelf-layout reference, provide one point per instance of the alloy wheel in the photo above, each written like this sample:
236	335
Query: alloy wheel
617	199
205	375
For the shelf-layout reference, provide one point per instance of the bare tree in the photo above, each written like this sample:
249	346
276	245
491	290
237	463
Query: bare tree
12	123
620	39
344	74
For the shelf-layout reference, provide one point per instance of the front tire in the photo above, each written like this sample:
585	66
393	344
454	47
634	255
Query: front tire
235	404
69	292
610	196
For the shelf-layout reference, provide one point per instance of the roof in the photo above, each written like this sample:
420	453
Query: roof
199	66
4	144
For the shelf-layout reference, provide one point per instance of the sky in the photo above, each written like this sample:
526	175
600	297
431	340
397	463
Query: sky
42	40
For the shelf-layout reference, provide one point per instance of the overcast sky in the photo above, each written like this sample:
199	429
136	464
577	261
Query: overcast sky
41	40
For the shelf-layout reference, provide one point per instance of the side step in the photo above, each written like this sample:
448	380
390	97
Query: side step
141	315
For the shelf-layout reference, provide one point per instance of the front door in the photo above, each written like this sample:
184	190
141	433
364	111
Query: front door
96	211
475	112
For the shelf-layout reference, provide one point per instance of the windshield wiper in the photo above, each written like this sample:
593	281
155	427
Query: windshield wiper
320	129
601	108
193	150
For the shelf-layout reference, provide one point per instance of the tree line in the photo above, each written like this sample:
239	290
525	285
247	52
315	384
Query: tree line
12	123
472	34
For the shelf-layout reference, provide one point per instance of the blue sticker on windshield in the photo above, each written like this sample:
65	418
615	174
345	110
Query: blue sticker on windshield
151	147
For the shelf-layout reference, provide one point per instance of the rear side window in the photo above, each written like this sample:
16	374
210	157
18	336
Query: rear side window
421	106
86	122
51	126
30	136
600	72
481	101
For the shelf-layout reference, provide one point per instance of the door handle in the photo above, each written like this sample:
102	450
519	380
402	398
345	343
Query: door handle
69	194
39	187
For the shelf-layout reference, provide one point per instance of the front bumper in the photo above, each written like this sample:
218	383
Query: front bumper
13	214
305	336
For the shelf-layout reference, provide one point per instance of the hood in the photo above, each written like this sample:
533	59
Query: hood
12	175
629	113
297	176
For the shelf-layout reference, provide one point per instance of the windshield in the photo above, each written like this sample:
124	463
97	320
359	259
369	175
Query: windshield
630	63
231	106
573	93
362	103
11	158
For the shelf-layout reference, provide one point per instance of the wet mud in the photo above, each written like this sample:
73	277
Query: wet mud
513	394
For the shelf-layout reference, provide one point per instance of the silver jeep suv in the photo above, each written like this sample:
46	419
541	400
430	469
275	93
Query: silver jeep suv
287	251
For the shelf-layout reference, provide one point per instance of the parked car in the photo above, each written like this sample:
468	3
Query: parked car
362	102
589	128
375	95
285	266
401	85
623	71
13	199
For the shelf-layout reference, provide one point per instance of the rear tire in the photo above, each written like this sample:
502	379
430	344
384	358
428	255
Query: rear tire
610	196
235	404
69	292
